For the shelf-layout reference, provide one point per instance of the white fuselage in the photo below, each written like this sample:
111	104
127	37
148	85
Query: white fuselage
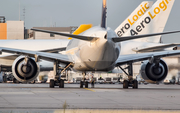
99	55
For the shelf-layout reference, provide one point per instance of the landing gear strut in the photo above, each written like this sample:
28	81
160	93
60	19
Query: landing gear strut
130	82
57	81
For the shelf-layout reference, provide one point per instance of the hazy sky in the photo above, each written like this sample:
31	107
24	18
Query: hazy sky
65	13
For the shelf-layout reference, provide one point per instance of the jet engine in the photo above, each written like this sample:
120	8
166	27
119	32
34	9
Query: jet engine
154	72
25	69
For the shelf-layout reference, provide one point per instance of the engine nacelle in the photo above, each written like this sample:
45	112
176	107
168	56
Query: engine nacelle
25	69
153	74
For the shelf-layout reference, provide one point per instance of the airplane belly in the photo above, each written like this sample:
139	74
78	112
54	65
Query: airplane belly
101	59
89	66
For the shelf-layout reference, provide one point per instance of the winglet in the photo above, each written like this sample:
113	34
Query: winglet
103	19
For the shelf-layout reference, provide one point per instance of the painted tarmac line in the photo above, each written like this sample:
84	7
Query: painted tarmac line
89	89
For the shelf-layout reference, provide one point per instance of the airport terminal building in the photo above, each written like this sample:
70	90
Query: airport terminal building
12	30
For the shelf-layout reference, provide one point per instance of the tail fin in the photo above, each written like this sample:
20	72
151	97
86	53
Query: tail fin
81	28
103	19
153	21
135	15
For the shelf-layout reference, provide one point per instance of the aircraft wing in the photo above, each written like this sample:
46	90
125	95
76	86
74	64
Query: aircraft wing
155	48
125	59
42	55
13	56
54	50
9	57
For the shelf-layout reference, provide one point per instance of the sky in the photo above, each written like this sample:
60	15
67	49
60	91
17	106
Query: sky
65	13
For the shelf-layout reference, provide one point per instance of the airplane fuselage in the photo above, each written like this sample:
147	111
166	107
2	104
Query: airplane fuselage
98	55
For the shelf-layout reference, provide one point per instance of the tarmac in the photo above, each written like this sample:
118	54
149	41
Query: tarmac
41	98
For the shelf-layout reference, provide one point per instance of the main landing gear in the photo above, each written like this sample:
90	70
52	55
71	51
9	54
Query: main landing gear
84	82
58	81
130	82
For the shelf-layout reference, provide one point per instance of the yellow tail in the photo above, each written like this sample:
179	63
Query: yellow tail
81	28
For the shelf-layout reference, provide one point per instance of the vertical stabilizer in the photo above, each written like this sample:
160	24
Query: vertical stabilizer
103	19
133	17
81	28
153	21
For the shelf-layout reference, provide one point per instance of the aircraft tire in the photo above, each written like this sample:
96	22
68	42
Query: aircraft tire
15	80
86	84
125	84
61	83
81	84
51	84
135	84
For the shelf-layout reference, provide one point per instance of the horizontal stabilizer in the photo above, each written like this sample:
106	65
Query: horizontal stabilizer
80	37
126	38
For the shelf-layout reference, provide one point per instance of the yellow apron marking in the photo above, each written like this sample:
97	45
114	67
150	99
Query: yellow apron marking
90	89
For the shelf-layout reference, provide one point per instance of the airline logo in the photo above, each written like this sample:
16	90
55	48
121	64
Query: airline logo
160	6
137	13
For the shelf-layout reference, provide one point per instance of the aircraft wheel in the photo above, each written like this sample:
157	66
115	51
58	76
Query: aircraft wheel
135	84
125	84
86	84
4	79
51	84
61	83
15	80
81	84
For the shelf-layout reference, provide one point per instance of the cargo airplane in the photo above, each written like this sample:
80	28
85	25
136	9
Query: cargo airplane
97	49
59	45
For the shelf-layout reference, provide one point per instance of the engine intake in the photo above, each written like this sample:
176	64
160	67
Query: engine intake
154	73
25	69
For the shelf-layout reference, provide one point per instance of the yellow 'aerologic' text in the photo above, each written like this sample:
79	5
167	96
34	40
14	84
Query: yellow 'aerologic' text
157	10
139	14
